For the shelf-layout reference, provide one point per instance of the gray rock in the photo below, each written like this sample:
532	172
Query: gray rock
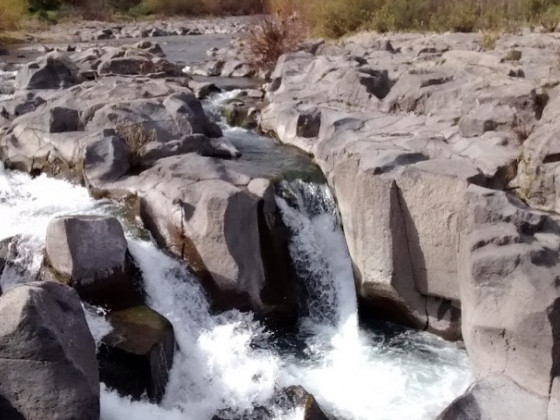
496	397
53	71
508	264
90	253
203	89
151	47
106	160
193	143
132	65
44	334
203	210
20	105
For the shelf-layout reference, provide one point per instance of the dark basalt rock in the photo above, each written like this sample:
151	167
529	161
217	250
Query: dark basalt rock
136	357
47	355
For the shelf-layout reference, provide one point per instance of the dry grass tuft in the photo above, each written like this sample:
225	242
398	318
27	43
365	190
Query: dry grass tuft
268	39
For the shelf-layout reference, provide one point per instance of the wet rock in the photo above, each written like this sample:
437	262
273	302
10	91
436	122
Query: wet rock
90	253
203	89
53	71
239	114
298	397
44	335
496	397
136	357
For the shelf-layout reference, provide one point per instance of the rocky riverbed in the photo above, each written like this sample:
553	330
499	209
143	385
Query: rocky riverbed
441	162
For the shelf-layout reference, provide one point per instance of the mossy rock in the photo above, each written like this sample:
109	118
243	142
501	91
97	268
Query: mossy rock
136	357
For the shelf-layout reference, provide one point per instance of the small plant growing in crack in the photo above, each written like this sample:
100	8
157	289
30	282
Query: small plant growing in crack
136	138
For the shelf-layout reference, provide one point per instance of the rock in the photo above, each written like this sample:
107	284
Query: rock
61	120
509	290
126	65
209	69
103	34
203	89
203	212
496	397
53	71
185	106
236	68
298	397
90	253
136	357
44	334
151	47
402	127
20	105
197	143
106	160
13	265
238	114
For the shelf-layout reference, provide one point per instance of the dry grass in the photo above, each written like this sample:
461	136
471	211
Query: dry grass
268	39
335	18
11	13
136	138
201	7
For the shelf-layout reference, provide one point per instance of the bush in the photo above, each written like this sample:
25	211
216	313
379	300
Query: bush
200	7
270	38
11	12
335	18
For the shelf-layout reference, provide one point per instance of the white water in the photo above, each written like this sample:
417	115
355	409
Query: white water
230	360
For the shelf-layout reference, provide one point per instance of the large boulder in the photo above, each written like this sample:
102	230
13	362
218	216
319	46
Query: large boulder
210	213
496	397
47	355
106	160
90	253
509	262
136	356
53	71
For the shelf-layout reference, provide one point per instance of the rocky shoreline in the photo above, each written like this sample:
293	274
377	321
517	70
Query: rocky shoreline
442	158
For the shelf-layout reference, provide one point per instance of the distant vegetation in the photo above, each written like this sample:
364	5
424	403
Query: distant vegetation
13	11
330	18
335	18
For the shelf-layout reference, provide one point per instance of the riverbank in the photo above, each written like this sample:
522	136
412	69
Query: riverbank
416	178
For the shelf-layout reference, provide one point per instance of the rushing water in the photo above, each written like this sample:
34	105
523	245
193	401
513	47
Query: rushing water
232	361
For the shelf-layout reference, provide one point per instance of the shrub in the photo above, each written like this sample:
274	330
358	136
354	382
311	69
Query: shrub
198	7
335	18
270	38
11	12
136	138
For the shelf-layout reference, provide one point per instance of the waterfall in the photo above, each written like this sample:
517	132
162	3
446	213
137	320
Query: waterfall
231	361
319	253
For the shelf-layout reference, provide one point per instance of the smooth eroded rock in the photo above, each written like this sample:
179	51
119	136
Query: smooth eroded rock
47	355
90	253
136	357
